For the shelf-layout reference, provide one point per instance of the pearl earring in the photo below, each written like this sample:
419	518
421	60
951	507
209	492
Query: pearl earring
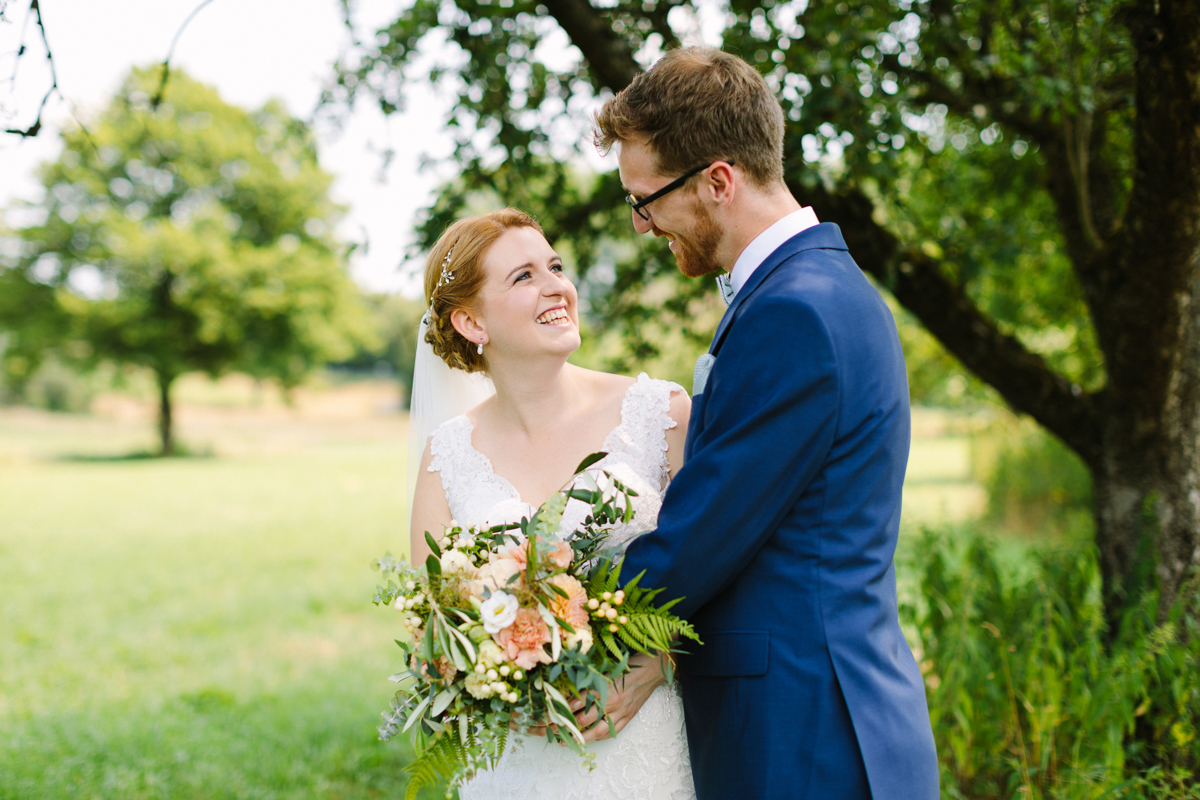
480	350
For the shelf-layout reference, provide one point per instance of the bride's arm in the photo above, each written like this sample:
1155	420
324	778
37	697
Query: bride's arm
430	511
681	411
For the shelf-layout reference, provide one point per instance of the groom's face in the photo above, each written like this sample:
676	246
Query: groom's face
680	216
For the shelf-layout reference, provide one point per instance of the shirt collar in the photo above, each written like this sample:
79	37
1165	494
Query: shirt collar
767	242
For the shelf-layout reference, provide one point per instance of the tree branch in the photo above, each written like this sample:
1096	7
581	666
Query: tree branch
608	55
1023	378
156	101
36	9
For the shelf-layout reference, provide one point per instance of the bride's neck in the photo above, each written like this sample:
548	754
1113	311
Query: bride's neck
531	394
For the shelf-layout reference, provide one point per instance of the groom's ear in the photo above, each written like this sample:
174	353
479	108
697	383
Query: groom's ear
720	183
467	324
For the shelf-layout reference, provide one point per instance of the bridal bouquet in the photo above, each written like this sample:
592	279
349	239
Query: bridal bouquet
507	623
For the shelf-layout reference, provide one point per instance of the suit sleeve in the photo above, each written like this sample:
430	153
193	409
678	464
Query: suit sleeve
768	425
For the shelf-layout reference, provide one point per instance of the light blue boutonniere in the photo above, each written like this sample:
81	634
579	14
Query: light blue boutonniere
704	365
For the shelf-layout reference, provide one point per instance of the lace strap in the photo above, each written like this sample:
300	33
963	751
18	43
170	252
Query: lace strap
450	446
645	420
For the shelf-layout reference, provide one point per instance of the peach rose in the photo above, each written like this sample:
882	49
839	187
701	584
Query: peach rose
517	552
524	641
570	608
495	574
559	552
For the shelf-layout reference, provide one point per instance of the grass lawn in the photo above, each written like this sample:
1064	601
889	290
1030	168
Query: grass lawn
202	627
197	627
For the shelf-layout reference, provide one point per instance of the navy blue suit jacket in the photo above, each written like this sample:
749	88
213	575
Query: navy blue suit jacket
780	530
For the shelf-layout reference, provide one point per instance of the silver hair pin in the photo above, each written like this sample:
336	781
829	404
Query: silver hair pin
447	275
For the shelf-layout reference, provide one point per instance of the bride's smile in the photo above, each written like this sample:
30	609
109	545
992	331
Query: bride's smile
555	316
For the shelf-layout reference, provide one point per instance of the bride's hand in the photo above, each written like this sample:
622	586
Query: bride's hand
625	698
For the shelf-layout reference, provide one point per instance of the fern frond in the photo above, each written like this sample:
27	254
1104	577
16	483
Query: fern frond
650	631
436	763
610	644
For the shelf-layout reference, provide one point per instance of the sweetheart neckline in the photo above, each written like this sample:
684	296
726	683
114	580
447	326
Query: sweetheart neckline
606	447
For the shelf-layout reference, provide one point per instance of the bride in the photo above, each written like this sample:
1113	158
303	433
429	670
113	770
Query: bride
501	307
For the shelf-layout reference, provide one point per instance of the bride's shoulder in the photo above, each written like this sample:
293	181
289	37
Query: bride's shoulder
619	390
606	386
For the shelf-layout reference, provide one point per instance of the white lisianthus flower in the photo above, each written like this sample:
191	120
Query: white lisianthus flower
498	611
455	561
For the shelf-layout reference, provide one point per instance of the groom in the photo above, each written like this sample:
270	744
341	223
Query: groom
781	526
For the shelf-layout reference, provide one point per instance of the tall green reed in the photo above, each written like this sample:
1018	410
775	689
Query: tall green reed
1029	697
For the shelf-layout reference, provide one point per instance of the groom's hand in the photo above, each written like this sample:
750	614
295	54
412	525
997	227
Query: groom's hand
625	698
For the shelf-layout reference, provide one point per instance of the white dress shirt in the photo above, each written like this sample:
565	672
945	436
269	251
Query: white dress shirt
767	242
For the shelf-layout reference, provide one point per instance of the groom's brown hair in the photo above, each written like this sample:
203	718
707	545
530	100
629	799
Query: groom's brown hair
695	106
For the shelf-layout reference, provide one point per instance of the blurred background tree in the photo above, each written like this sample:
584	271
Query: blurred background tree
183	235
1020	176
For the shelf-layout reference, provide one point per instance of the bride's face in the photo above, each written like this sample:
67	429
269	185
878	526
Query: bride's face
527	306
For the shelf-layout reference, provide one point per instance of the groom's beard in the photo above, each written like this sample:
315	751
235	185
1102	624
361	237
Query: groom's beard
696	253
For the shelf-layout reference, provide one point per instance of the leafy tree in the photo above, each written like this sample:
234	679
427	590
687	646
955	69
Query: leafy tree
1022	177
187	236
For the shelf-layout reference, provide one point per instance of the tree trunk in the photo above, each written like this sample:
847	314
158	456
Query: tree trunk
166	428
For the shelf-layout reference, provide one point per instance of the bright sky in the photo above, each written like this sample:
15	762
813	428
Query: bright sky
250	50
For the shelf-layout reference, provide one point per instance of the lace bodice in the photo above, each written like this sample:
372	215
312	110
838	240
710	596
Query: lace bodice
649	759
637	456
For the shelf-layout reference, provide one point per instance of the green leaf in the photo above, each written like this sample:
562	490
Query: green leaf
444	699
437	762
587	462
437	551
432	565
416	714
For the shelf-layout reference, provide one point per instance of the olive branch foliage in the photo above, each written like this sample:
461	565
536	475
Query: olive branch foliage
454	733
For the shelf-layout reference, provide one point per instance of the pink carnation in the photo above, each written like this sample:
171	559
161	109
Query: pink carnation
524	641
572	607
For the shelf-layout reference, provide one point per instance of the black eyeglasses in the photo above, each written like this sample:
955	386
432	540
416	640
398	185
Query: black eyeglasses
638	205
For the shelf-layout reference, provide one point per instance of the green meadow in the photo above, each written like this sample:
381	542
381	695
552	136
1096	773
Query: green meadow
201	627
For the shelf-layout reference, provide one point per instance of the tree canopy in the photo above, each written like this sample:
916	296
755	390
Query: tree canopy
1021	177
188	235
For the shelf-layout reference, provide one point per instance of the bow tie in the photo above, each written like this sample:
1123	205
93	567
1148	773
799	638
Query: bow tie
726	287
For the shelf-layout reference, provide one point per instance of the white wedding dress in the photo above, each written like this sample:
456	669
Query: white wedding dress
648	760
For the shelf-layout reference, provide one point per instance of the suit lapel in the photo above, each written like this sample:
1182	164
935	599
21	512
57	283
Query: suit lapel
826	236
